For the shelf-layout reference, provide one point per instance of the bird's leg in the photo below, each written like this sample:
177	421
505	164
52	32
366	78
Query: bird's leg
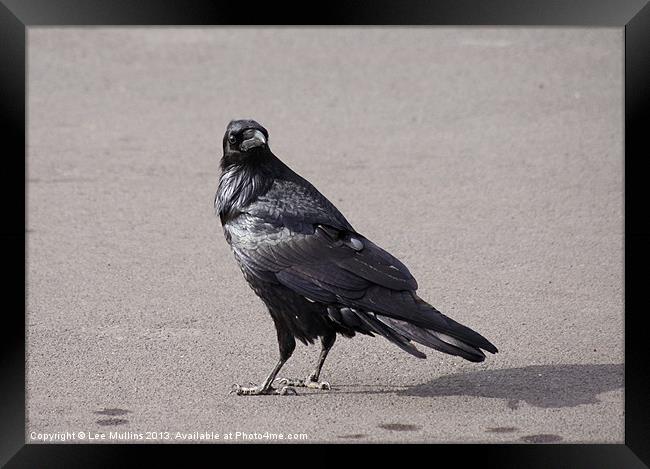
287	344
311	381
327	344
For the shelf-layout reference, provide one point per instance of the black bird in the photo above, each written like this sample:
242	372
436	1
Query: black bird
316	274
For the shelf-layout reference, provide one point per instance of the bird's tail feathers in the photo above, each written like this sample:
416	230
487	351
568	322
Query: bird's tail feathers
415	318
436	340
455	330
371	323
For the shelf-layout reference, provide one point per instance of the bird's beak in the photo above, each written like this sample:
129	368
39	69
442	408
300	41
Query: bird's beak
253	138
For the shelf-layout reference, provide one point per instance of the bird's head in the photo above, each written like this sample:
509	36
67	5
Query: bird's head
244	140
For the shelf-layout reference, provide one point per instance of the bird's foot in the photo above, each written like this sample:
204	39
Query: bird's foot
261	391
309	382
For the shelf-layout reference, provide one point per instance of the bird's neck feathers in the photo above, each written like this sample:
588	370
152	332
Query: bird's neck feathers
241	183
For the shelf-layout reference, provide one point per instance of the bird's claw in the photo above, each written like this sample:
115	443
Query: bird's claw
258	391
286	390
306	383
236	389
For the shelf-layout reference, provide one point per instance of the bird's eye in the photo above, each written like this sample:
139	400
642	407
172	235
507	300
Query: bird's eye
232	138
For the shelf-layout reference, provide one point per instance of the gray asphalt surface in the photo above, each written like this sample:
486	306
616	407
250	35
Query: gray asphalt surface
490	161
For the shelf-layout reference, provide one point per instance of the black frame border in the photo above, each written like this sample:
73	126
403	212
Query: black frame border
632	15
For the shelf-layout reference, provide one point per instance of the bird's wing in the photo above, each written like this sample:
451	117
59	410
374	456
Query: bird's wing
324	263
294	232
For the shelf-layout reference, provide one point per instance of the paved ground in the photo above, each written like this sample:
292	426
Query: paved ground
489	161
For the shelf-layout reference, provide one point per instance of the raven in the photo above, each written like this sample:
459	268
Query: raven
316	274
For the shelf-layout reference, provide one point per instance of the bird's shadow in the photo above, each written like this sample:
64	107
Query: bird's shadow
545	386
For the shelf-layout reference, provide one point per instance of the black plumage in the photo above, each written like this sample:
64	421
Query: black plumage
316	274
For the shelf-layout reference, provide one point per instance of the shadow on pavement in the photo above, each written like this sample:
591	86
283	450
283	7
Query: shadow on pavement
544	386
